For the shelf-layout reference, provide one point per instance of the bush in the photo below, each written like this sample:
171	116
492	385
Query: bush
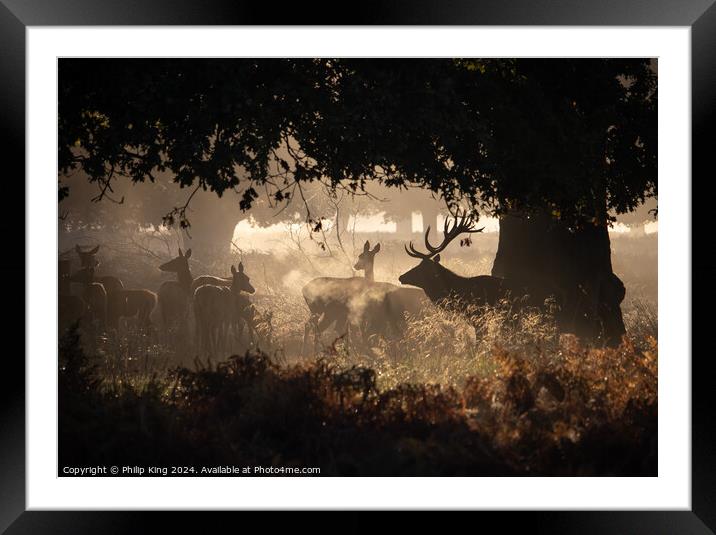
557	409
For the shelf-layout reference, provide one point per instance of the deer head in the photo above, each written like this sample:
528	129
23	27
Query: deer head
180	264
366	259
84	275
87	258
240	282
429	274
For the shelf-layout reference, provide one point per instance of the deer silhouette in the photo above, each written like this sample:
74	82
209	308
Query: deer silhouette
112	285
243	313
210	280
386	315
121	302
70	308
329	302
217	309
139	304
174	295
93	294
361	302
450	290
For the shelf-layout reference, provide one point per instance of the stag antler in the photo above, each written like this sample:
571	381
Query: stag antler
463	224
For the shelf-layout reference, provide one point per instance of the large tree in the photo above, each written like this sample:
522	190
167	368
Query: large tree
552	147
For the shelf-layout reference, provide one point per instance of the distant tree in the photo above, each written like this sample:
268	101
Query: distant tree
552	147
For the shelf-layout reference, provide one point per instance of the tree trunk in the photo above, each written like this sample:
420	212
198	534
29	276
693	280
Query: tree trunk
213	221
404	228
211	242
576	265
341	222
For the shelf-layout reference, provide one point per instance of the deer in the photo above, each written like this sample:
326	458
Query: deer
112	285
452	291
211	280
70	308
174	295
356	301
139	304
121	302
93	294
243	313
218	309
212	312
388	312
329	301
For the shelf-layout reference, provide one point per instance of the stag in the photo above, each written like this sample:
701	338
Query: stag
112	285
450	290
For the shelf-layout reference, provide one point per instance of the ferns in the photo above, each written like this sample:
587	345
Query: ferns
519	400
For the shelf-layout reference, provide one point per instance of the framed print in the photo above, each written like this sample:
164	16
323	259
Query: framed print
407	258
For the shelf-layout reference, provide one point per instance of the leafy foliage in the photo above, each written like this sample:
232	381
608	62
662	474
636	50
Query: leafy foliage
557	135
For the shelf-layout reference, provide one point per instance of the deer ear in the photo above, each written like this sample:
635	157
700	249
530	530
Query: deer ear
94	251
436	259
188	253
233	269
180	252
241	267
366	246
376	248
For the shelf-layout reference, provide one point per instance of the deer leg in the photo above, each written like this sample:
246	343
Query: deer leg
212	340
307	327
240	333
197	334
316	321
206	336
321	323
216	332
325	322
251	331
221	330
219	338
224	338
165	322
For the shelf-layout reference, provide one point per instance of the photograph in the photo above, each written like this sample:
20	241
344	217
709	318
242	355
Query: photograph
357	266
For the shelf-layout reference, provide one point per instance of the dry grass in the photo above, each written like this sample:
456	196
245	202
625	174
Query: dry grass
520	399
517	399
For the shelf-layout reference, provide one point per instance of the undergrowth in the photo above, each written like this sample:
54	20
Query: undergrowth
538	404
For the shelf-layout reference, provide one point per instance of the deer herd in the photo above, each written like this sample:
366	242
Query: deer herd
358	307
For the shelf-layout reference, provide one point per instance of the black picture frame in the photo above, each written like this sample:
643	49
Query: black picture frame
16	15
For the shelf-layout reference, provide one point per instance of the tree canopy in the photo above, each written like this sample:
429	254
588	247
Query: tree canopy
575	138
